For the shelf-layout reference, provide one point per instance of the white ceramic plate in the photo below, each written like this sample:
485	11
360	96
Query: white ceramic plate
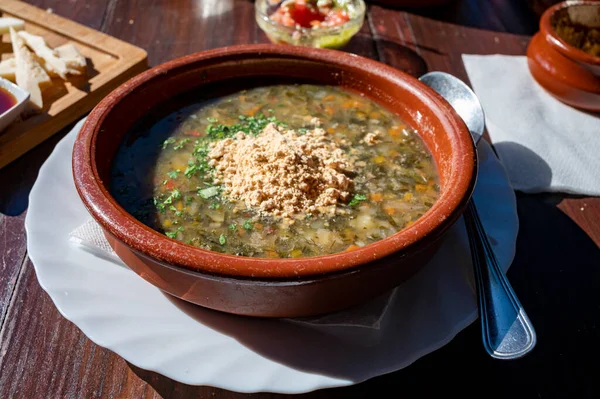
119	310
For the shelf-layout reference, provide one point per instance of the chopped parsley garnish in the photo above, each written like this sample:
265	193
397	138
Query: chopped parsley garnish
214	205
248	124
181	143
222	239
357	199
177	213
212	120
209	192
160	207
190	170
247	225
174	195
173	174
171	234
166	143
232	226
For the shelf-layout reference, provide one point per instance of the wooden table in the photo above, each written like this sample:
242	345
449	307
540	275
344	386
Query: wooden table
556	272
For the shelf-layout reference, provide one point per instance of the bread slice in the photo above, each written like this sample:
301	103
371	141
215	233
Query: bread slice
8	68
54	65
75	61
8	22
29	74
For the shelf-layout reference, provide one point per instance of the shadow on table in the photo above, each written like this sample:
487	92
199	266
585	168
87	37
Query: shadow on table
17	178
511	16
556	274
402	57
531	166
389	52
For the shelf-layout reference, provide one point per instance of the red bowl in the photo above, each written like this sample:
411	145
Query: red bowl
274	287
568	73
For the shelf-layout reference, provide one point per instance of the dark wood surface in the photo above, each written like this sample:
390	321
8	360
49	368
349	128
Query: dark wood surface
556	271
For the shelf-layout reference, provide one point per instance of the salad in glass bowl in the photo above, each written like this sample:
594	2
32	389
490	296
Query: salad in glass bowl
312	23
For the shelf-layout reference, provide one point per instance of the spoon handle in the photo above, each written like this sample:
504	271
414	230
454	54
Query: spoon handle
507	331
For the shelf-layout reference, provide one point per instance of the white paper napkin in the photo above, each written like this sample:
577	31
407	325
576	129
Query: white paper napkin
545	145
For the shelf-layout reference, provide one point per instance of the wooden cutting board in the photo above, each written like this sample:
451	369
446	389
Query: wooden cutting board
110	63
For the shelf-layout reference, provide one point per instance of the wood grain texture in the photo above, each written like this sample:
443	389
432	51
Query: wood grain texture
42	355
173	28
110	62
12	253
188	26
586	213
437	45
555	273
511	16
89	13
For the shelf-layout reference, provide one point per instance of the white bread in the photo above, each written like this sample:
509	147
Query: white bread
8	68
29	74
68	53
8	22
54	65
75	61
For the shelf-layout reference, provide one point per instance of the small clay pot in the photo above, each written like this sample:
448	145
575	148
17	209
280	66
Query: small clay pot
567	72
274	287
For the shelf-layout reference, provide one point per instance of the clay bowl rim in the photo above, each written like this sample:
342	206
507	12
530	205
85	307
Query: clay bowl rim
151	244
550	34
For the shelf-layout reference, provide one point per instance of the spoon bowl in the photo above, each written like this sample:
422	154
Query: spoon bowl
461	97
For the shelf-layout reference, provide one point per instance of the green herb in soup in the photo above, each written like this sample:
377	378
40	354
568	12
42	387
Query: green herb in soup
279	172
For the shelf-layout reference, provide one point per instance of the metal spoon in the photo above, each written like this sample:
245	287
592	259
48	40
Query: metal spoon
507	331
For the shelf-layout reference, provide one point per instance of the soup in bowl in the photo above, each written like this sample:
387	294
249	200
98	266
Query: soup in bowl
273	181
283	171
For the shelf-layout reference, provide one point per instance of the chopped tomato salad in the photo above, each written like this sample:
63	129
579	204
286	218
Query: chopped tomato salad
311	13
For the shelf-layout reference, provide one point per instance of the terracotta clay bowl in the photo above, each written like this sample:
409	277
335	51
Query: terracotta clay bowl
565	71
273	287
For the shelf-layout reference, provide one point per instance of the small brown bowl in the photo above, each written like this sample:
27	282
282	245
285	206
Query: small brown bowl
567	72
273	287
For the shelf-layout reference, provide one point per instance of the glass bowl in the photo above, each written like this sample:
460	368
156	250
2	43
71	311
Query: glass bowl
333	37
